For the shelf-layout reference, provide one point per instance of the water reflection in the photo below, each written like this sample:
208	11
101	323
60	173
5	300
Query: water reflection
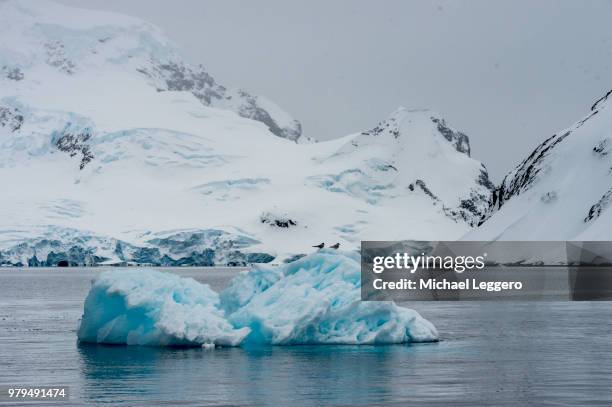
263	375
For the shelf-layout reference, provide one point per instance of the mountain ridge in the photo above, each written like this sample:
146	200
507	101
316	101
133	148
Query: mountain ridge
561	190
108	140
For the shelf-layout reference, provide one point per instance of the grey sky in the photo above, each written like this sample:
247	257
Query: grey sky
507	73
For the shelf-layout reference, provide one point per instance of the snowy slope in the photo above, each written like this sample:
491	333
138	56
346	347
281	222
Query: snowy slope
562	191
41	38
108	156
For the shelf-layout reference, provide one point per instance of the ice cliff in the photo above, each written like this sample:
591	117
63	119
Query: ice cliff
314	300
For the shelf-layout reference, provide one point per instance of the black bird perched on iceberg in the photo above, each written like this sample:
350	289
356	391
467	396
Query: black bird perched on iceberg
320	246
335	246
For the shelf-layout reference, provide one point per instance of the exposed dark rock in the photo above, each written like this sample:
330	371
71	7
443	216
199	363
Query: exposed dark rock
605	97
281	221
526	173
75	144
599	206
421	184
459	140
471	209
483	179
583	121
603	147
11	118
173	76
199	82
390	125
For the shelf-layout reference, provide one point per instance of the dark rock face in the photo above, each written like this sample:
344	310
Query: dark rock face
470	209
483	179
11	118
459	140
524	175
599	206
251	110
74	144
178	77
421	184
602	148
603	98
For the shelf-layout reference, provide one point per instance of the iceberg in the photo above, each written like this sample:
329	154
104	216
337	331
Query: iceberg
146	307
314	300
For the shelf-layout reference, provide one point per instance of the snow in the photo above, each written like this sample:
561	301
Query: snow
314	300
165	158
559	192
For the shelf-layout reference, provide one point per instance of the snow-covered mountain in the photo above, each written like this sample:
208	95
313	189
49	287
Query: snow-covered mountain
562	190
40	39
114	149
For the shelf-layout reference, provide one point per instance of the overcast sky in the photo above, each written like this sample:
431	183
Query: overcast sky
507	73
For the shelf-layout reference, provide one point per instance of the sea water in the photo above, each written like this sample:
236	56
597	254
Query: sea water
490	353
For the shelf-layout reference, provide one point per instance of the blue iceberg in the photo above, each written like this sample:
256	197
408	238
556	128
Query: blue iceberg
145	307
314	300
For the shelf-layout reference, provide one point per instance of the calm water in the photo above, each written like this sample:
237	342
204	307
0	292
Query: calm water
490	353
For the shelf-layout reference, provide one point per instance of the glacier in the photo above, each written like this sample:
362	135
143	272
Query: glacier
314	300
186	171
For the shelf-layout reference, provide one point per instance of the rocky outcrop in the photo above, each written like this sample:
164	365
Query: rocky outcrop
277	220
523	176
178	76
11	118
459	140
76	144
561	191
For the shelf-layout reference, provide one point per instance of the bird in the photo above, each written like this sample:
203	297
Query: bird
320	246
335	246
